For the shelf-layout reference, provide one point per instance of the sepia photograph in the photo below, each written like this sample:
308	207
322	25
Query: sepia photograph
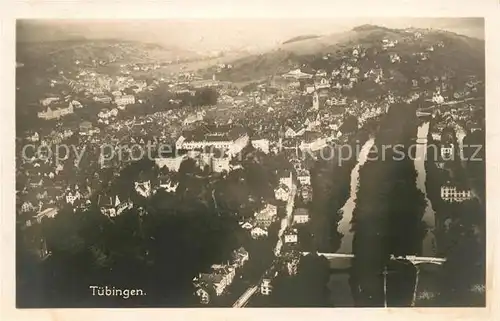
250	163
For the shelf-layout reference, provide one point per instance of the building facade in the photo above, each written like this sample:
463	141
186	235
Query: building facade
55	113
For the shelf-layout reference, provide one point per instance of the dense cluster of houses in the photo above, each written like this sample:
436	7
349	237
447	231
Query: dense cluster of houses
300	109
216	281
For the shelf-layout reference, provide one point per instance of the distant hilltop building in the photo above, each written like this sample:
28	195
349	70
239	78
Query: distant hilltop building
215	160
50	113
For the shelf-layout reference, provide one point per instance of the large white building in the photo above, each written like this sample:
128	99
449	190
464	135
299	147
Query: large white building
452	194
282	192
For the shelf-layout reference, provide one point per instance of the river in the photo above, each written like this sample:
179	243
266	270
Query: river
429	243
350	204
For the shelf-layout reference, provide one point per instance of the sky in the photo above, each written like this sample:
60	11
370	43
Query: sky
225	34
